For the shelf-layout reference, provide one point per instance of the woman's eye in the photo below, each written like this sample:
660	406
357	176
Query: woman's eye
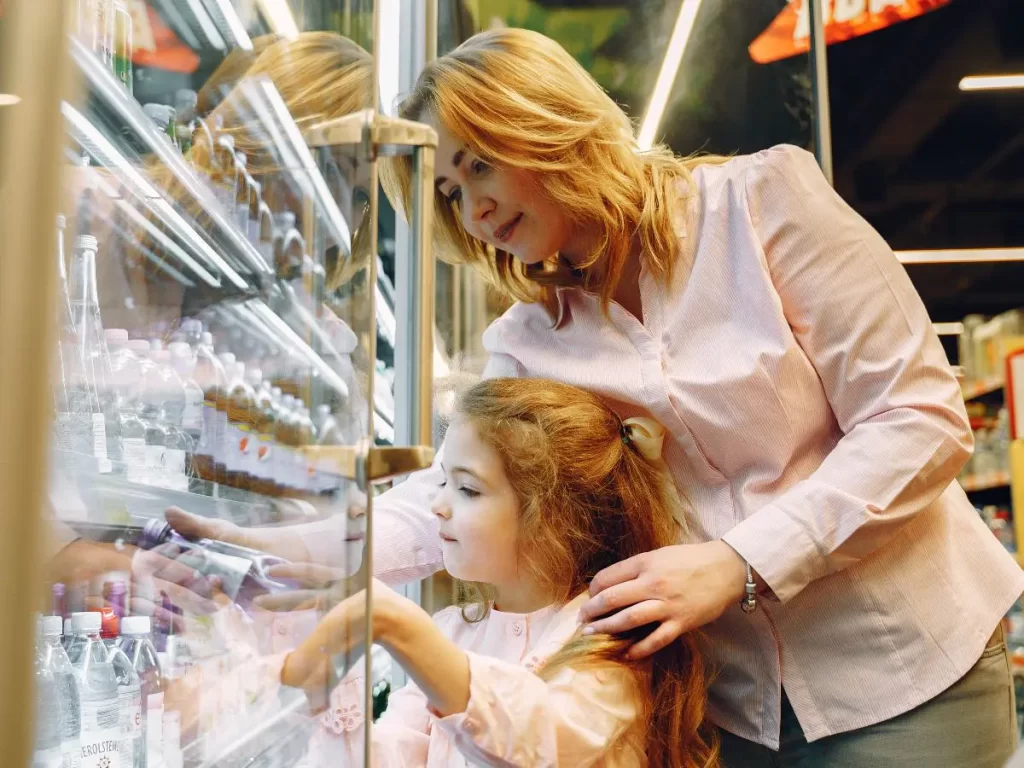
479	166
442	484
455	196
469	492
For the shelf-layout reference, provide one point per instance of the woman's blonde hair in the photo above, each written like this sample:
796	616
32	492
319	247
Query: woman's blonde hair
517	99
588	499
319	76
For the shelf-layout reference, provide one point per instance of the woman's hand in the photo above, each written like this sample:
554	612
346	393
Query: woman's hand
681	587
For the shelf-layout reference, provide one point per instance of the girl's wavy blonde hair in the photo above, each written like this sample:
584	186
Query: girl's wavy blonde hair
517	99
588	499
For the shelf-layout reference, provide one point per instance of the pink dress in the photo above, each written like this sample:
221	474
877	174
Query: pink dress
578	718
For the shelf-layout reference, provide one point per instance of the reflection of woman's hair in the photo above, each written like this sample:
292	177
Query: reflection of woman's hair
587	500
319	76
517	99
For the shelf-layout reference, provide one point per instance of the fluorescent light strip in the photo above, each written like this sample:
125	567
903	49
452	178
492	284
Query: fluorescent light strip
279	17
961	256
329	207
8	99
207	25
235	25
948	329
97	144
992	83
669	70
168	244
389	41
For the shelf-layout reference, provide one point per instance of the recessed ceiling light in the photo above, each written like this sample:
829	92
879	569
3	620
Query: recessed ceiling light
8	99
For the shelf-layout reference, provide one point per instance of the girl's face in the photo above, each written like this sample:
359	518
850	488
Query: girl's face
478	511
503	207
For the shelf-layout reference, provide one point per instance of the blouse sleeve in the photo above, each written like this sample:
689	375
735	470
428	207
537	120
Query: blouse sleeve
861	323
514	718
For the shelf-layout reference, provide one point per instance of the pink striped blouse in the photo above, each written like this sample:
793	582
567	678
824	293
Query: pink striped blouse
814	425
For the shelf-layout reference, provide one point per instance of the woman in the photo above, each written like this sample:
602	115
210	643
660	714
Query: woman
814	423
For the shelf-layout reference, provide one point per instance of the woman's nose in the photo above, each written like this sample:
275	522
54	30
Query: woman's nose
475	208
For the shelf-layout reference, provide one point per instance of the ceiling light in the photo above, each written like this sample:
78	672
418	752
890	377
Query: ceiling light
961	256
8	99
669	70
992	83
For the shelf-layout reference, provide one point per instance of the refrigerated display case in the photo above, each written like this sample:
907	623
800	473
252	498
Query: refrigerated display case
194	267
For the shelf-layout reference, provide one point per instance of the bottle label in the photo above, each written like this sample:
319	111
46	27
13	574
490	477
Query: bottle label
155	730
192	416
209	428
174	466
155	458
62	430
47	758
130	704
135	459
99	436
220	437
101	734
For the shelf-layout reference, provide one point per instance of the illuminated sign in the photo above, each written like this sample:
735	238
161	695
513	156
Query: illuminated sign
790	32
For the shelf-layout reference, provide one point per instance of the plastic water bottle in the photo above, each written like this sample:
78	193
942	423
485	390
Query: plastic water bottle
178	444
86	359
152	414
210	376
129	697
47	751
126	373
55	659
136	644
97	686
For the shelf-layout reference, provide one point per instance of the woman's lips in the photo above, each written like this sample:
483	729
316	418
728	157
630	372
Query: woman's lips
504	232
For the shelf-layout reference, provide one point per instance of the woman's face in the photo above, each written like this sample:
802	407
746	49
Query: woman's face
477	510
503	207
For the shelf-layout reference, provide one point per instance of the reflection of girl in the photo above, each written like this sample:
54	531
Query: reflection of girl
543	487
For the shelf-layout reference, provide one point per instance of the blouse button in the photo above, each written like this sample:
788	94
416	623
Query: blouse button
517	629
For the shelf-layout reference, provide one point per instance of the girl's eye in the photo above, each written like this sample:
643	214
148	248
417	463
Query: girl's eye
479	166
442	484
469	492
455	196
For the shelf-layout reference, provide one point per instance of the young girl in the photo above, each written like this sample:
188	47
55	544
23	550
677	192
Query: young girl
543	487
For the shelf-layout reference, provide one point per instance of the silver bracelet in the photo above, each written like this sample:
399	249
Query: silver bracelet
749	601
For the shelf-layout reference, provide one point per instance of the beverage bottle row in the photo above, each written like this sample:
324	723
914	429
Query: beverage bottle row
164	415
273	234
100	695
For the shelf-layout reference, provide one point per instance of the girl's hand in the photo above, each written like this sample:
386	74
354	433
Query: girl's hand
343	631
682	587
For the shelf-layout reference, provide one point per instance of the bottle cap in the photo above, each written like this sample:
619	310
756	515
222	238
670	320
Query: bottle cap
62	221
68	627
156	344
110	624
139	347
227	358
87	622
116	335
207	339
51	626
86	243
136	625
157	113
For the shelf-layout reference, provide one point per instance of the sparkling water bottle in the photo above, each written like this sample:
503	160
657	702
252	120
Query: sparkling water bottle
97	685
129	696
136	644
47	751
55	659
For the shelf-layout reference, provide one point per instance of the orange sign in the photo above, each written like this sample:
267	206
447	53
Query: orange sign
790	32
